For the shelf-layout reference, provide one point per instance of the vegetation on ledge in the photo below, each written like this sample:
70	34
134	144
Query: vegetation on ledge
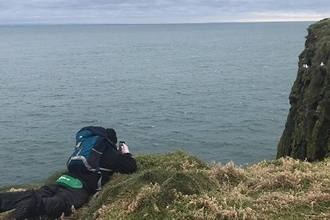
179	186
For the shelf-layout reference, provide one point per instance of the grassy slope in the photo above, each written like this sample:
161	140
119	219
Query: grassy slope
180	186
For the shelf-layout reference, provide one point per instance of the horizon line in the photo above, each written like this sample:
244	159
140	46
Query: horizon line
165	23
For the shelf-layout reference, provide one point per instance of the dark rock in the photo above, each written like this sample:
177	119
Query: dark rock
307	129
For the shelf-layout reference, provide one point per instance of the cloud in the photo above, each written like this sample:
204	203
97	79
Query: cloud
158	11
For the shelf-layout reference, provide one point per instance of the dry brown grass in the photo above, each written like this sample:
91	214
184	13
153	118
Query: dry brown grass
270	187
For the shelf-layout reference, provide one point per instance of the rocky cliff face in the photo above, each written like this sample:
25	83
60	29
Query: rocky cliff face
307	129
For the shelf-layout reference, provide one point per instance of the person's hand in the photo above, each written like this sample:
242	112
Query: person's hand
124	149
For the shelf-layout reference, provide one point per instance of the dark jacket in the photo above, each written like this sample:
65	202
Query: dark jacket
111	159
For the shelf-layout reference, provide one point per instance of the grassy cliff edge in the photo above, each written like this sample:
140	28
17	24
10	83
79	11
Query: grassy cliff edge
180	186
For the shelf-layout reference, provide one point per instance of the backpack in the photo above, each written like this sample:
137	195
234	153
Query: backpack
90	144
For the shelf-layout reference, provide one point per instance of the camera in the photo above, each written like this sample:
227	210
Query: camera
120	145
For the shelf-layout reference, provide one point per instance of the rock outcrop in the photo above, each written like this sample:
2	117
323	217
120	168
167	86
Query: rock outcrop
307	129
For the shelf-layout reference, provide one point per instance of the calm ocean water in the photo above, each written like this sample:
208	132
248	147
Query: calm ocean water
217	91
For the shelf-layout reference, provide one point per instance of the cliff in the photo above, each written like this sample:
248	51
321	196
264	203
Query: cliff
307	129
180	186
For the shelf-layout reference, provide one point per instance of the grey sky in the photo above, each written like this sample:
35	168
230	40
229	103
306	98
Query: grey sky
160	11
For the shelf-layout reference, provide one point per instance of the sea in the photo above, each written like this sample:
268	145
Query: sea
218	91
